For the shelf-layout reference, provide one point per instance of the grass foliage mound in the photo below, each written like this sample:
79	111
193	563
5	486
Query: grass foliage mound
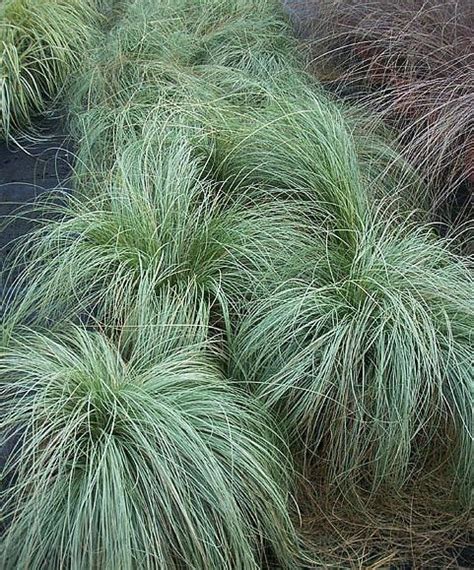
151	462
365	354
161	230
42	44
170	44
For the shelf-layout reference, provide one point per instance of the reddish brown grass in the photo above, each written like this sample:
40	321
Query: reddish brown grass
413	62
421	526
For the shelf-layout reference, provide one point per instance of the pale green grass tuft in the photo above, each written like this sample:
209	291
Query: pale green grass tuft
366	354
42	43
301	143
165	44
155	461
158	228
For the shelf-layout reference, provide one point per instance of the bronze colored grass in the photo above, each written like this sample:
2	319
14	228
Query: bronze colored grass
412	61
421	526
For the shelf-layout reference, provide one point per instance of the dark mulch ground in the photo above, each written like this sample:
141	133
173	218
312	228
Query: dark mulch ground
26	173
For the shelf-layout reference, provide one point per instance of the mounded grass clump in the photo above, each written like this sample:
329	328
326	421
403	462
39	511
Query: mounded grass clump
175	51
298	146
219	64
413	62
169	55
158	228
154	461
163	44
303	146
365	354
42	43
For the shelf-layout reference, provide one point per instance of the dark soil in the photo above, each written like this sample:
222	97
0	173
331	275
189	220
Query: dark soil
25	174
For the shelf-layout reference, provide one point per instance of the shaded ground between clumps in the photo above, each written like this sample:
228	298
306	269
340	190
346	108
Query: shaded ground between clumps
25	174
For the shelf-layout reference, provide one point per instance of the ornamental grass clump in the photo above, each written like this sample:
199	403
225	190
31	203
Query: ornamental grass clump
166	45
175	55
159	228
413	62
196	58
42	43
153	461
157	43
301	144
365	354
